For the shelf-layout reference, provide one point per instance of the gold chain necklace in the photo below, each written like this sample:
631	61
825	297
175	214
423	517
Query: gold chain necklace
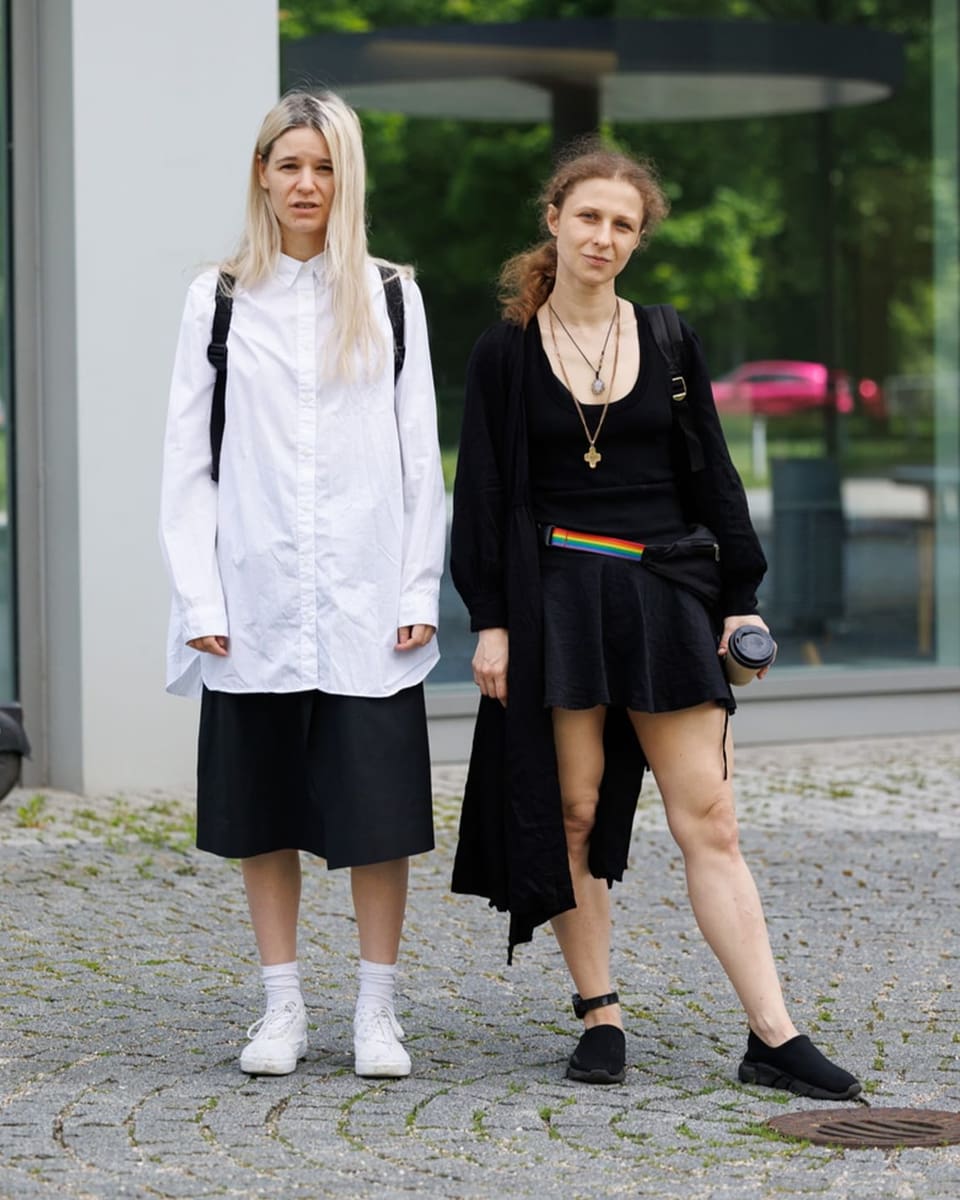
598	385
592	455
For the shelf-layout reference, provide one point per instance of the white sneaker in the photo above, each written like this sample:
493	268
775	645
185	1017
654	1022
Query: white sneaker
376	1044
277	1041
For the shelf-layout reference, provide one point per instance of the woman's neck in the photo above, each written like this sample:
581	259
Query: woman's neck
583	306
302	248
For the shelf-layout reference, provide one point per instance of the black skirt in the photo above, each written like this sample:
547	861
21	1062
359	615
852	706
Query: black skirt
617	634
344	777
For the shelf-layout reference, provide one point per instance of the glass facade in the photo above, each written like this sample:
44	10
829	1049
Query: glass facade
813	245
8	665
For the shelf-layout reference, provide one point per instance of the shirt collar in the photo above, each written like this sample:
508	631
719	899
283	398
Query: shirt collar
289	269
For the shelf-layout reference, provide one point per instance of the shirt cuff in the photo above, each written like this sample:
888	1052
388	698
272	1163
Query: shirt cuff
419	608
207	620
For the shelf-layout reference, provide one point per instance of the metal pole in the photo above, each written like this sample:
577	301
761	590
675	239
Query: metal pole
576	112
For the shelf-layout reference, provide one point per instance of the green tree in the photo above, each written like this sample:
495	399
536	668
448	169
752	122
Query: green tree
743	252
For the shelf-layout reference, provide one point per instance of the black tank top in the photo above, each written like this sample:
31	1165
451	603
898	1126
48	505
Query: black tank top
632	492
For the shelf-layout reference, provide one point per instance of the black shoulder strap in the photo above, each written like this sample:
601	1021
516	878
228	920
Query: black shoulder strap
217	354
393	291
669	338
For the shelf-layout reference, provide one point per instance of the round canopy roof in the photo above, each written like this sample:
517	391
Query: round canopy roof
638	70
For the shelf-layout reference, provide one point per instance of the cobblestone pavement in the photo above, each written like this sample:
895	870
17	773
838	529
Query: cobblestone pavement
129	977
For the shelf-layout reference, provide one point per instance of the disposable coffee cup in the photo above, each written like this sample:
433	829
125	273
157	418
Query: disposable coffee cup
749	650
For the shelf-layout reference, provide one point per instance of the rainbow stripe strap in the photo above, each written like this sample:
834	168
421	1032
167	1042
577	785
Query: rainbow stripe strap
592	543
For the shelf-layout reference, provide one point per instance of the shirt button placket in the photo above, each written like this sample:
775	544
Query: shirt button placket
306	471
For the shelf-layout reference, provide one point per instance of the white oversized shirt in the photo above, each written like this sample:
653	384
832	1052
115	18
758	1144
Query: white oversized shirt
326	532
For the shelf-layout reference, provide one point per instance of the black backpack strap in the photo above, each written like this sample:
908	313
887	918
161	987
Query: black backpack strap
217	354
669	338
393	291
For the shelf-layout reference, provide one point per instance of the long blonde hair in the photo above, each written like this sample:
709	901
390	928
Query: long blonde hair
347	257
527	279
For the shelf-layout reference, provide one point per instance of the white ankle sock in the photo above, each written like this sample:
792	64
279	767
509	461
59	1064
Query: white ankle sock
282	983
376	984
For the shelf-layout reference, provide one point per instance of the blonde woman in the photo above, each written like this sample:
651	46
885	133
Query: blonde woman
306	579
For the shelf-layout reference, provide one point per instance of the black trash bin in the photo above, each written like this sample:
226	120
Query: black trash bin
807	551
13	746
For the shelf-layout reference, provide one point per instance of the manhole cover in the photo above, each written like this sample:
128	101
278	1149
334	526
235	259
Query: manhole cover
872	1127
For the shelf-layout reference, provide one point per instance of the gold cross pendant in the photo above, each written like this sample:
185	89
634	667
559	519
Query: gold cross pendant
591	458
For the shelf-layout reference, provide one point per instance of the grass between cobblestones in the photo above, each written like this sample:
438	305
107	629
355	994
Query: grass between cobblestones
130	976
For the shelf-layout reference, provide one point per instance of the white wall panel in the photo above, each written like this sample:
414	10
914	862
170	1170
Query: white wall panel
147	126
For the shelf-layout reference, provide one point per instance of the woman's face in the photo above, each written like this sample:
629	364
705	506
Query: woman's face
298	179
597	229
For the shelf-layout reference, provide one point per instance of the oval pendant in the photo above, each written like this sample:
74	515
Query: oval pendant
598	386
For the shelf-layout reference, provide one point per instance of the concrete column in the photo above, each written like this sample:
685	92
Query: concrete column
133	134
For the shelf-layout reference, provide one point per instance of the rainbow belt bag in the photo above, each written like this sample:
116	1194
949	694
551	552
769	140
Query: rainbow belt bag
592	543
692	561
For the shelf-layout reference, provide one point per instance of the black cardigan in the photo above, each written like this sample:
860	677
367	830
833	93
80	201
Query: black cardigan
512	847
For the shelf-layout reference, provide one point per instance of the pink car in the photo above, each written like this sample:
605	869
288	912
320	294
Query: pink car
778	387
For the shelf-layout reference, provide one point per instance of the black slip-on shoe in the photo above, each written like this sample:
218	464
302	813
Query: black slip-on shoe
797	1066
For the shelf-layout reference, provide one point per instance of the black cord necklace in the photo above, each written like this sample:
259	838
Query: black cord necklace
598	386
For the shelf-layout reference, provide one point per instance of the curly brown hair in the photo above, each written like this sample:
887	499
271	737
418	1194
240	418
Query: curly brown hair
527	279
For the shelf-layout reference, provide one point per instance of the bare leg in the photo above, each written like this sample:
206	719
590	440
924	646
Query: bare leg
379	901
584	932
272	883
279	1038
684	752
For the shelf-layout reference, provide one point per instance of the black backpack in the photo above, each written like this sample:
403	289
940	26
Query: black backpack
217	350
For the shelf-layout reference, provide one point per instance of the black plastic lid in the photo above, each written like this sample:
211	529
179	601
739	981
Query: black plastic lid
752	647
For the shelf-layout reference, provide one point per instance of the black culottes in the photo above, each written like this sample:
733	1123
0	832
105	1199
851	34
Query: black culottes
344	777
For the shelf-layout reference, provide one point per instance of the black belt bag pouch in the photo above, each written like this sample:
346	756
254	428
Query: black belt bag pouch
692	561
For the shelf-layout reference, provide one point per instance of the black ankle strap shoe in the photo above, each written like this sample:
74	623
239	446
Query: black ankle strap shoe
600	1056
581	1007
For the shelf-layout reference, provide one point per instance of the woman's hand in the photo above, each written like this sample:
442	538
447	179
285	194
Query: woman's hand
213	644
490	664
732	623
409	636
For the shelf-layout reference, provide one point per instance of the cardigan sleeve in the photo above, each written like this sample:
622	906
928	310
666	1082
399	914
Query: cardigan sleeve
477	531
716	493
